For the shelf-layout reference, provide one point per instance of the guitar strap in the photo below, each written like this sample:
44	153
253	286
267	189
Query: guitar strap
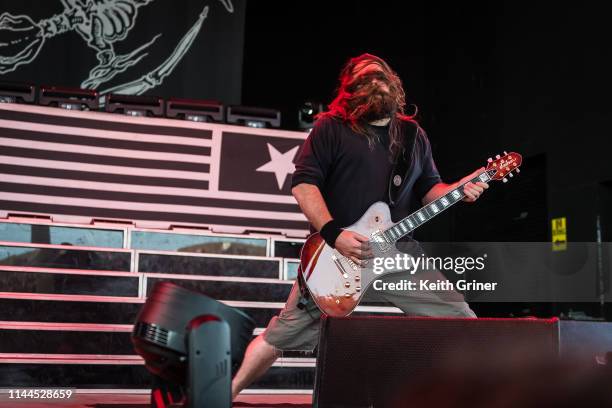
403	162
304	294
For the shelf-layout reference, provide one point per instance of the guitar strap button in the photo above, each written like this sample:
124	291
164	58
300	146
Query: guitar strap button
397	180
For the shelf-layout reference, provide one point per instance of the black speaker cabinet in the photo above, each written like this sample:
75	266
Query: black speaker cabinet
369	361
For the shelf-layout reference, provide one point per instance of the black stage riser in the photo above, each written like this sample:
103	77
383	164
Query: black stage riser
62	341
65	258
61	311
127	376
94	260
69	283
66	342
228	290
75	311
210	266
223	290
287	249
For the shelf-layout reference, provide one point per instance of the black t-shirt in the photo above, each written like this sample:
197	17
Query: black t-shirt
352	176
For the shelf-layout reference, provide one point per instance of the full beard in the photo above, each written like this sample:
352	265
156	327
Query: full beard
373	106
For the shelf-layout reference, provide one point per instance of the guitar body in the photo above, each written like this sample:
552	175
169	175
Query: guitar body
335	283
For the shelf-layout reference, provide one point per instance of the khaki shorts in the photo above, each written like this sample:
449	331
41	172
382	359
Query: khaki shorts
298	329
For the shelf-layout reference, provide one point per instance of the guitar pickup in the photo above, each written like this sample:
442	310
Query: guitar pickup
381	241
353	264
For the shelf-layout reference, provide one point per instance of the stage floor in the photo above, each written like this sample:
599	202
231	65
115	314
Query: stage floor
109	400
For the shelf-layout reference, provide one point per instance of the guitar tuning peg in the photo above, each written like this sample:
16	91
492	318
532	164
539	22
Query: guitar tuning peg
518	170
510	175
505	180
489	160
505	152
498	156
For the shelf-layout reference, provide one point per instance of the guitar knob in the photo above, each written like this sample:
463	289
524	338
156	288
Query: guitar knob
505	180
347	285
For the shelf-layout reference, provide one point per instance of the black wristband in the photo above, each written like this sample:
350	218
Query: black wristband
330	232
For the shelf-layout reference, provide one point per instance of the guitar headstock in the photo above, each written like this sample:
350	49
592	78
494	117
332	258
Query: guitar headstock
504	166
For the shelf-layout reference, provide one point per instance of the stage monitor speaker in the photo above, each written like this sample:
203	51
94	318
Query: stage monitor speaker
17	92
253	116
370	361
134	105
68	98
194	109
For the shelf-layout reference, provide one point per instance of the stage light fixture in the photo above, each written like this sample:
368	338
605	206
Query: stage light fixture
191	342
194	110
307	113
134	105
15	92
254	116
68	98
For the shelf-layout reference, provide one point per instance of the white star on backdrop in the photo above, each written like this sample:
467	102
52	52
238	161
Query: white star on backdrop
281	164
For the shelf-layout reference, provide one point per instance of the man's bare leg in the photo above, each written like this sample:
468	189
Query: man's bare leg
258	358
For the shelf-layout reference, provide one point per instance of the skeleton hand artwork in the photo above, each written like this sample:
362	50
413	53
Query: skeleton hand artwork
21	40
100	23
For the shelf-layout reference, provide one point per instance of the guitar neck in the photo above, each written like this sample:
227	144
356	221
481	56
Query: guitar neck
426	213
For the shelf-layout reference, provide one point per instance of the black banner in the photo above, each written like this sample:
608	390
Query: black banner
187	48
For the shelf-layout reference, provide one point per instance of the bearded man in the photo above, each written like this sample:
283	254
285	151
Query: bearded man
344	167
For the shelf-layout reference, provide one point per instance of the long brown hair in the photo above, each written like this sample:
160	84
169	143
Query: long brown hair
346	107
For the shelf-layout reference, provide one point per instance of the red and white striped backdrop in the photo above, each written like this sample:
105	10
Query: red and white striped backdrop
157	172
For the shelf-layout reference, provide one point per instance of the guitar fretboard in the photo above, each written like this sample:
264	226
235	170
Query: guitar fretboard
424	214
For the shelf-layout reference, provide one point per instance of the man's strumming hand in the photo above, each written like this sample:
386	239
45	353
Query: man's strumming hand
353	245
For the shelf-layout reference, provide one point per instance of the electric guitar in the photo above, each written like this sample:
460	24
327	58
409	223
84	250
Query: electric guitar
337	284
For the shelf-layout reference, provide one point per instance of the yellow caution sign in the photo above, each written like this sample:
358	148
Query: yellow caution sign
559	234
